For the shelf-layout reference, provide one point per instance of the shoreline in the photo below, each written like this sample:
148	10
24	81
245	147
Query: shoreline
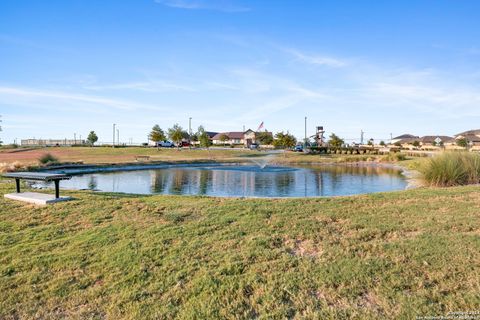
410	176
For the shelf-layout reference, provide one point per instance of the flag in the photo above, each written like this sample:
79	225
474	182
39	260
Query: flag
260	126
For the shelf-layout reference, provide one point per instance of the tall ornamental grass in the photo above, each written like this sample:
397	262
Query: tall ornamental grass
451	169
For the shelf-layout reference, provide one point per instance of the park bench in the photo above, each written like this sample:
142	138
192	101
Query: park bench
33	197
140	158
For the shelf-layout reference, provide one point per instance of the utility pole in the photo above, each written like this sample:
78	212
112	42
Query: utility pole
74	138
305	141
243	128
118	137
190	132
113	144
391	137
361	136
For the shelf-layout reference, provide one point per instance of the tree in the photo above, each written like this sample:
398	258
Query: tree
203	137
176	134
370	142
157	134
92	138
264	138
416	143
284	140
335	141
462	142
382	143
224	138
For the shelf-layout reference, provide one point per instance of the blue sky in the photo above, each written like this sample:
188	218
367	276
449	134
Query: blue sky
379	66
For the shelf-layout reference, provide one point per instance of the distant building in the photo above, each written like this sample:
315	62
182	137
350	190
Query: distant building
431	141
51	142
246	138
472	137
211	134
405	138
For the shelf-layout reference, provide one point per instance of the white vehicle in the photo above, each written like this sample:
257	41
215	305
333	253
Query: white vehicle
166	144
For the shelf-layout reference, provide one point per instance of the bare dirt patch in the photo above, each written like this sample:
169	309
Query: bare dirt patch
303	248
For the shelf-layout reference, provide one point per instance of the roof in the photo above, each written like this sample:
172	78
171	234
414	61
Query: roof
471	137
406	136
230	135
431	139
211	134
469	132
408	140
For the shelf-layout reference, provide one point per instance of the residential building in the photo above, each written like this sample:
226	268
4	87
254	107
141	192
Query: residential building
234	137
404	139
472	137
430	142
246	138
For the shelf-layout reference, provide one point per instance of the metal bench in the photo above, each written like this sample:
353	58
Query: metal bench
37	176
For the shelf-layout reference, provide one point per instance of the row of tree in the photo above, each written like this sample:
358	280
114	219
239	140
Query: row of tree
176	134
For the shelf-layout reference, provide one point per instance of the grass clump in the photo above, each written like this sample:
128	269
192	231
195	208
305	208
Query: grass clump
47	159
451	169
10	167
393	157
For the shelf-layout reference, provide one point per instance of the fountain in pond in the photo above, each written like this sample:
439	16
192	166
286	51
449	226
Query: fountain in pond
263	161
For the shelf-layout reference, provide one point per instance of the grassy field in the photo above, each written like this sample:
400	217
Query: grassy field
103	155
118	155
392	255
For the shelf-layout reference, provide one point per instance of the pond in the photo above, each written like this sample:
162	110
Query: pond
234	180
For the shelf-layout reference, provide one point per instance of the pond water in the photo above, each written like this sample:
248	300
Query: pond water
244	180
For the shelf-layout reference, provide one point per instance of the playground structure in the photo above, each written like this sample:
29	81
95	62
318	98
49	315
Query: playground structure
317	137
321	146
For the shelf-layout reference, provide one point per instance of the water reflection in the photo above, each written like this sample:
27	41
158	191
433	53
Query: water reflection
92	184
245	181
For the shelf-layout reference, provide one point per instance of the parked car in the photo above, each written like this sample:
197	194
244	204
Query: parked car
254	146
185	144
298	148
166	144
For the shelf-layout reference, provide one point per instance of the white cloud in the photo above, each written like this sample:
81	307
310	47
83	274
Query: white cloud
317	59
147	86
65	100
216	5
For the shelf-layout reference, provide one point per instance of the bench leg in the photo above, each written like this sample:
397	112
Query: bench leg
57	189
17	184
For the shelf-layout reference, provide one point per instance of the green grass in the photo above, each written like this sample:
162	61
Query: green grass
391	255
451	169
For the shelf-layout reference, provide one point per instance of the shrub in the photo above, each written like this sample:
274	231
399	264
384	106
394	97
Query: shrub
48	159
9	167
393	156
451	169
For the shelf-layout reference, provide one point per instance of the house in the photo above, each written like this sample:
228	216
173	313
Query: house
472	137
211	134
405	139
234	137
246	138
431	141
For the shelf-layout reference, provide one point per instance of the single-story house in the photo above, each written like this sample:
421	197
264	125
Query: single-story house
472	137
237	137
211	134
233	137
430	141
404	139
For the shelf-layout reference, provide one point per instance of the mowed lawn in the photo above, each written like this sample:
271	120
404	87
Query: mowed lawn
105	256
119	155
